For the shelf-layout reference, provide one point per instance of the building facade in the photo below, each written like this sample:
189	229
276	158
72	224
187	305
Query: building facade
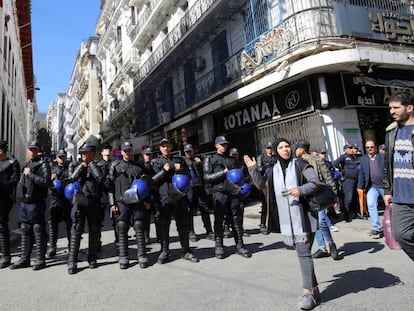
18	109
253	70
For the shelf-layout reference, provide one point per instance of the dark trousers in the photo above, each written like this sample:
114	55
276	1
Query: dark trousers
5	208
181	211
59	211
349	187
403	226
197	197
225	205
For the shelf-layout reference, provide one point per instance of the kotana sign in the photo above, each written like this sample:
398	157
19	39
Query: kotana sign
287	101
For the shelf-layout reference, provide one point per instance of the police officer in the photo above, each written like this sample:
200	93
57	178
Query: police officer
31	192
348	163
265	161
197	193
59	207
122	173
86	205
226	200
147	162
104	164
9	176
171	201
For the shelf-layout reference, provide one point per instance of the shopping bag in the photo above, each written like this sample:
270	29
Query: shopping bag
387	227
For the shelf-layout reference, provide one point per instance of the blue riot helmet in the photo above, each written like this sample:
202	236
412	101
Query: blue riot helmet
57	185
138	191
142	188
181	183
235	176
71	189
245	190
336	175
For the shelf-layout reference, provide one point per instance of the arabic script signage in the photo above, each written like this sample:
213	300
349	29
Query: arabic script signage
375	24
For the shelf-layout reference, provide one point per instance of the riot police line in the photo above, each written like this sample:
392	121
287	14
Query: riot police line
79	192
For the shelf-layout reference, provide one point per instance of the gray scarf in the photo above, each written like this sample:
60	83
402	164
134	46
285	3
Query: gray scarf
291	212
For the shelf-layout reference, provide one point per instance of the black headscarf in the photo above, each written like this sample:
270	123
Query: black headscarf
283	163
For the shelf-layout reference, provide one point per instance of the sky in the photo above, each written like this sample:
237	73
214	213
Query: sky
58	29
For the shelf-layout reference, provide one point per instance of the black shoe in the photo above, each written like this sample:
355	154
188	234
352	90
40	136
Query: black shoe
5	261
219	252
320	254
93	264
163	257
190	257
51	253
73	270
20	264
244	252
143	262
347	217
376	234
333	251
39	265
192	236
263	230
210	236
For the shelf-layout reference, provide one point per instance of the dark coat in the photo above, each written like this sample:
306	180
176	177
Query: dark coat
364	180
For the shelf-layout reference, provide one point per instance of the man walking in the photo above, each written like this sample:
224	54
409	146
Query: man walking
399	170
370	180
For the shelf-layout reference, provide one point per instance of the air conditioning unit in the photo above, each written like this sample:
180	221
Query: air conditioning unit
199	64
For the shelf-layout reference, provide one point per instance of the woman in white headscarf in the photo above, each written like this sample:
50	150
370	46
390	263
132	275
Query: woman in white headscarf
289	182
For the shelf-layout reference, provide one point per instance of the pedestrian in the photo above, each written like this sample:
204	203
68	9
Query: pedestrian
197	194
86	205
173	201
265	161
399	169
59	207
370	180
9	176
348	164
122	174
284	182
31	193
226	201
382	148
323	234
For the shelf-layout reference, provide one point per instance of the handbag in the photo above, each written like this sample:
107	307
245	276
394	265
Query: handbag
322	199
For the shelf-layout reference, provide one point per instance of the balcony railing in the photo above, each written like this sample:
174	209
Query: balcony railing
184	26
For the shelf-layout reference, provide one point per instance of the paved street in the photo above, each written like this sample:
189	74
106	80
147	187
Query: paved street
369	277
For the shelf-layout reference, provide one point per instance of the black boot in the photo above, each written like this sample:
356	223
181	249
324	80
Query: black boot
218	249
238	238
53	231
26	242
75	239
40	238
187	254
123	227
93	244
140	232
5	258
165	244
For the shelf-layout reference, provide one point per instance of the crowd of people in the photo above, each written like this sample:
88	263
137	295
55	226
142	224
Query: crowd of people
166	187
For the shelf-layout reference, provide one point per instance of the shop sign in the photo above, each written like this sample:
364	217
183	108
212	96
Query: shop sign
284	102
367	22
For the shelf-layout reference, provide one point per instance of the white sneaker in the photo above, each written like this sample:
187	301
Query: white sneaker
333	229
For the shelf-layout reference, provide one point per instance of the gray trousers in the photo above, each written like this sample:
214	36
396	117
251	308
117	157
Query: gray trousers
403	226
303	250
